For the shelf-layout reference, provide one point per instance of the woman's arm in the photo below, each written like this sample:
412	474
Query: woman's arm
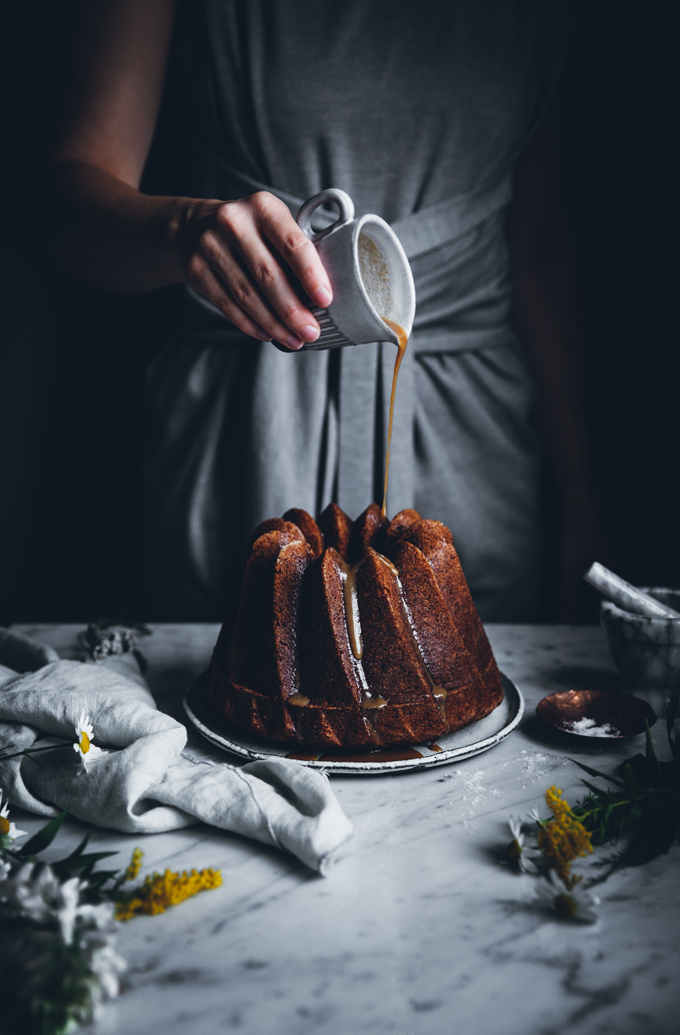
101	227
546	318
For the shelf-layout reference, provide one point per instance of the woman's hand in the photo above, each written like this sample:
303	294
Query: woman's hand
240	255
248	257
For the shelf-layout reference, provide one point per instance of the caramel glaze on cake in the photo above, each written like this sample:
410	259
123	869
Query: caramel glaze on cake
354	634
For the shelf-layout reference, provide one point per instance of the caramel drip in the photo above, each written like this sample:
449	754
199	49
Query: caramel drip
398	754
388	564
298	699
370	728
401	347
352	606
440	695
384	755
438	692
370	702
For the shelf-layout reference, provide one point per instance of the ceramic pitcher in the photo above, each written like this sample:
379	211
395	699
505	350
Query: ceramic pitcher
369	274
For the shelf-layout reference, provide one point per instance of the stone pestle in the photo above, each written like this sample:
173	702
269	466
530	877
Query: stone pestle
626	596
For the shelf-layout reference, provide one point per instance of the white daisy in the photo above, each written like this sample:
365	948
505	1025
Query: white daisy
97	930
569	903
107	965
28	895
516	850
7	829
97	923
533	815
66	907
44	899
84	747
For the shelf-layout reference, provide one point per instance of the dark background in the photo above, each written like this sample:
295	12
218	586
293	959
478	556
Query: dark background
72	358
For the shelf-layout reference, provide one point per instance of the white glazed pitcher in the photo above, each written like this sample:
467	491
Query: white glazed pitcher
369	274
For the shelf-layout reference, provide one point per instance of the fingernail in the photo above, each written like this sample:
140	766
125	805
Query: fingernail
294	343
323	296
311	332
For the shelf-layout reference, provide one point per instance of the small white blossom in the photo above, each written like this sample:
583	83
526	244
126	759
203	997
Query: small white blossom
107	965
570	903
31	896
8	829
4	870
84	747
44	899
517	851
66	907
97	918
97	929
533	815
56	908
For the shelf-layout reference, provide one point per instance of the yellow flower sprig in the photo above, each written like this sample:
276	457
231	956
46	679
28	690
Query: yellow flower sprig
162	890
134	865
563	838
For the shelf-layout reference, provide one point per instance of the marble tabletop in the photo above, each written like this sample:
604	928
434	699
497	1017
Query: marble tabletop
420	929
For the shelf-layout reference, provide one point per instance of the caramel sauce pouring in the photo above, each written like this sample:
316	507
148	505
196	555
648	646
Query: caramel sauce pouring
401	349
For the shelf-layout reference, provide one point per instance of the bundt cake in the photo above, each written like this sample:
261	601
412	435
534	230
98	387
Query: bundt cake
353	634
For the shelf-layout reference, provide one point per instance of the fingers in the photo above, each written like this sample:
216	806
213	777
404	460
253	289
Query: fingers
202	278
244	258
278	226
250	227
284	317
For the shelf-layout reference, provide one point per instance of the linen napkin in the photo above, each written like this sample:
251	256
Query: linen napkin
148	781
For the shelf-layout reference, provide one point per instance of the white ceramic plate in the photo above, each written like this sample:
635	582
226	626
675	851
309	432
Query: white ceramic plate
472	740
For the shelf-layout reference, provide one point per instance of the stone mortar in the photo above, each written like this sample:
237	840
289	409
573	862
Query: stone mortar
646	651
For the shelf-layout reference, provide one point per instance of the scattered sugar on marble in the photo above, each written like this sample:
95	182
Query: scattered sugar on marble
534	763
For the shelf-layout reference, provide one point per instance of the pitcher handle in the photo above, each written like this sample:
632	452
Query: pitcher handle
336	197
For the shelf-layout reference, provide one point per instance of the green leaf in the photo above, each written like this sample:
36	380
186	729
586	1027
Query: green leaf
672	707
40	841
643	770
97	880
79	849
652	759
636	814
671	715
83	862
598	773
629	780
603	797
654	839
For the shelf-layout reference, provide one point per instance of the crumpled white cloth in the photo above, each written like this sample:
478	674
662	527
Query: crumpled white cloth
146	784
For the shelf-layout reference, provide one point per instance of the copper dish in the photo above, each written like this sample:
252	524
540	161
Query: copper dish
596	713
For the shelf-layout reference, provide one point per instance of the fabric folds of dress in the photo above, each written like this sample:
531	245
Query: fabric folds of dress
419	113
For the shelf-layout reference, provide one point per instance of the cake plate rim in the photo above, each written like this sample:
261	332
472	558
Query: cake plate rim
252	748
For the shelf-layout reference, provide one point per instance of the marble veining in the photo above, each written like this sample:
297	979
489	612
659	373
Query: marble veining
645	650
419	929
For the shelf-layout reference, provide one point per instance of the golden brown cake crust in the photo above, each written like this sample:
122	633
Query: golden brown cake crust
398	525
309	528
336	529
421	665
368	531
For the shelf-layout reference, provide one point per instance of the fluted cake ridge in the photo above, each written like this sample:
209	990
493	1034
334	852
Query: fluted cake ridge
353	634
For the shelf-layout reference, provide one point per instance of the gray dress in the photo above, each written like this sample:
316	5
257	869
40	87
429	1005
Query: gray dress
418	111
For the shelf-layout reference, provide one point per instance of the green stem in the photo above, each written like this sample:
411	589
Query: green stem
34	751
613	805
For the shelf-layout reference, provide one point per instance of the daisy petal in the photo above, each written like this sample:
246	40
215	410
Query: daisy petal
569	903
